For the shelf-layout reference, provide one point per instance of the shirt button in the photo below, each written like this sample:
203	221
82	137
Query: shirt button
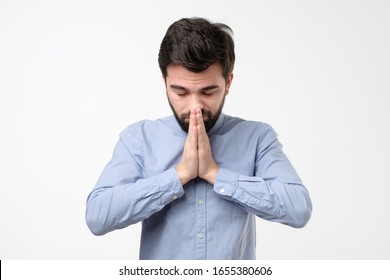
174	197
200	235
200	202
222	190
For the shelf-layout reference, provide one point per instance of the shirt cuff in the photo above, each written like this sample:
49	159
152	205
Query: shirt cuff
226	183
170	185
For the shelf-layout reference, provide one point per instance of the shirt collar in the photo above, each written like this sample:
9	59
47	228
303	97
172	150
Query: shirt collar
217	125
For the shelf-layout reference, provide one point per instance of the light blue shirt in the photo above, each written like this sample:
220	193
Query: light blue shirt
197	220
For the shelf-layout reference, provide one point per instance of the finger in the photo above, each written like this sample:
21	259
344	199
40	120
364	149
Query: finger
187	169
203	139
192	129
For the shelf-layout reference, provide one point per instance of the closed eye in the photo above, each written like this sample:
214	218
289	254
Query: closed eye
210	90
181	91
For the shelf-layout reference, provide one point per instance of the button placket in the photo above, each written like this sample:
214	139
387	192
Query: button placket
201	188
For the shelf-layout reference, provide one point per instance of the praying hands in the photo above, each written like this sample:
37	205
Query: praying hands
197	160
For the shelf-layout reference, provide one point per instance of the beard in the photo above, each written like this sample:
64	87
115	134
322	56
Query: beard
184	119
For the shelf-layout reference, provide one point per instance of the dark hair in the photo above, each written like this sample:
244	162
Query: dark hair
196	43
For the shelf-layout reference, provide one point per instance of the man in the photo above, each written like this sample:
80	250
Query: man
197	179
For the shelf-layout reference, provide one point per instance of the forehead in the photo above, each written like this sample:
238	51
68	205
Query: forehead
180	74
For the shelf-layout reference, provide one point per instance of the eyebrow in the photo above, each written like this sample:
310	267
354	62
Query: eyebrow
186	89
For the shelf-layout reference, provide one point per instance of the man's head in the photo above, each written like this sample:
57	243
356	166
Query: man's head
196	59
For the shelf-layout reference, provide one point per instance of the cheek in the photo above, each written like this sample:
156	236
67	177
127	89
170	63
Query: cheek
214	103
178	104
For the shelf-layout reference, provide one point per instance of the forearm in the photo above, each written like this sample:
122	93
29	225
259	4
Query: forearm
115	207
284	202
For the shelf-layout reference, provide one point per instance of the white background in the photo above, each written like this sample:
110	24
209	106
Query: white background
75	73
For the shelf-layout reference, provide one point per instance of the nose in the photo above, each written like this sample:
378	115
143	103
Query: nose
195	102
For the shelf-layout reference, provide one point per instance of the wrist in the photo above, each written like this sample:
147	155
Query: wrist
211	176
182	174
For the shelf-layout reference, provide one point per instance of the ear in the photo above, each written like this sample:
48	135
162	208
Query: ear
229	83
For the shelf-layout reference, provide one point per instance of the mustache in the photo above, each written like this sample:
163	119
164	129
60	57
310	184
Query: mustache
206	113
